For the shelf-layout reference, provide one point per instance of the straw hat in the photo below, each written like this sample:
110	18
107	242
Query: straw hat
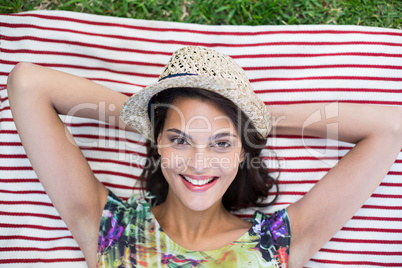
195	67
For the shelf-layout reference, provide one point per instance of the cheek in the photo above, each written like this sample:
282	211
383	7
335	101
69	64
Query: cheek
232	160
171	159
229	164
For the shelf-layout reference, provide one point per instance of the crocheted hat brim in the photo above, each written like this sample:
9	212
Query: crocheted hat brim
134	111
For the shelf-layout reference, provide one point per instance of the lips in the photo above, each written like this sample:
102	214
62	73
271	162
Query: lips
198	183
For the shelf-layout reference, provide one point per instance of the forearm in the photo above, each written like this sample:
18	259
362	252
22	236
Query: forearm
340	121
71	95
377	132
55	157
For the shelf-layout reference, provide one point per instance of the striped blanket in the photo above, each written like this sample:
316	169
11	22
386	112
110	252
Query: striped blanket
286	65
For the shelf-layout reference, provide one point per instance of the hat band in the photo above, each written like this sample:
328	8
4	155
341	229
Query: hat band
174	75
152	100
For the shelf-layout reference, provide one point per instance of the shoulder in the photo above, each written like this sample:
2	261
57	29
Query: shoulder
277	223
123	211
116	204
117	215
273	233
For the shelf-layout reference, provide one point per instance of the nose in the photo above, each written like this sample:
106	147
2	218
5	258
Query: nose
199	160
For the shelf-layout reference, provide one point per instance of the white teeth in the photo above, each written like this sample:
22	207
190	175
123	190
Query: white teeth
198	182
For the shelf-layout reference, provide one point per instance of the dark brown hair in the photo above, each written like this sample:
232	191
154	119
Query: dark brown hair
252	182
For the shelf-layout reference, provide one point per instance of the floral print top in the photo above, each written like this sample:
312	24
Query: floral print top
130	236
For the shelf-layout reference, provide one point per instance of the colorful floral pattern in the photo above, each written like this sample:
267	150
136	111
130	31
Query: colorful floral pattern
130	236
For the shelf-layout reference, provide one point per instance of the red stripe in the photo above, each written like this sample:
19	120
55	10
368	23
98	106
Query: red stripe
374	90
389	184
26	214
355	217
295	137
289	193
87	136
382	207
209	44
324	101
305	55
71	54
261	68
5	108
26	203
31	226
31	238
293	158
13	156
387	196
6	120
372	218
378	230
269	79
381	253
77	43
21	192
19	180
83	148
8	131
248	33
365	206
38	249
256	68
303	170
94	171
396	173
55	65
6	261
367	241
370	263
272	147
298	182
282	203
15	168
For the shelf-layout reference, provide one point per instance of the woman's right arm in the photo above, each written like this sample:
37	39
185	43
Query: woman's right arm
37	95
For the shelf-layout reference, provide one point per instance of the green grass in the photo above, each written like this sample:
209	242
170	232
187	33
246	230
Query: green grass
380	13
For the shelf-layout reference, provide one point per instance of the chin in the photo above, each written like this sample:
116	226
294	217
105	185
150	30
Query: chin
199	204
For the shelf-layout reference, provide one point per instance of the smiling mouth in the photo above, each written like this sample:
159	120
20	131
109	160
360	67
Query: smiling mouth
198	182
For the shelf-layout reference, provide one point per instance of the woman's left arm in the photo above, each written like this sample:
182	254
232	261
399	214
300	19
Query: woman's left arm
377	133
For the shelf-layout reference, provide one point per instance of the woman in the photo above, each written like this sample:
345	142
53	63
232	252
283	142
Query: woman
201	151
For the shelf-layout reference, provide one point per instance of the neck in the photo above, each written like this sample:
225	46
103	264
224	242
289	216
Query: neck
187	225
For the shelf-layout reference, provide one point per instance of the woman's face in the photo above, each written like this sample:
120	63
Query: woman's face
200	153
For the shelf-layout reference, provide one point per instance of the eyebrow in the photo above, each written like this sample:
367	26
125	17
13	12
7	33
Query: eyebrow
217	136
181	133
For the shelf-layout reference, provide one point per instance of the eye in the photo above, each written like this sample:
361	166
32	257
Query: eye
223	144
179	141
